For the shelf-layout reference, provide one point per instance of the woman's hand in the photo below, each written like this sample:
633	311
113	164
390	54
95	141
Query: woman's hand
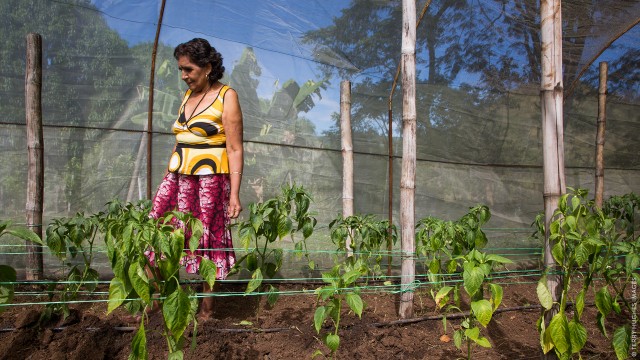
234	208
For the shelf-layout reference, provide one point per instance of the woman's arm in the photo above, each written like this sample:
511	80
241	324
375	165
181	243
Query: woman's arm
232	122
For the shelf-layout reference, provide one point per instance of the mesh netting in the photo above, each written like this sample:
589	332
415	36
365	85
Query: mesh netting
479	136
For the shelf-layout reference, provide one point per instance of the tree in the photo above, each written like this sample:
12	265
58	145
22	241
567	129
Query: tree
87	80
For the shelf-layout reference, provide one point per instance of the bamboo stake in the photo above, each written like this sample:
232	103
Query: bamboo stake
552	131
151	91
408	175
347	148
347	153
390	150
602	122
35	178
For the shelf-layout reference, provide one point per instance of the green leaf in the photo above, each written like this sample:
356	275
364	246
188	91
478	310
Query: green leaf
577	336
600	323
622	341
284	227
498	259
482	341
7	275
175	310
496	295
544	295
557	251
325	292
140	282
355	303
581	254
117	294
197	230
545	336
318	318
139	344
632	261
603	301
473	279
208	271
255	282
350	277
25	234
580	303
559	332
332	341
176	355
457	338
483	311
472	333
434	266
272	295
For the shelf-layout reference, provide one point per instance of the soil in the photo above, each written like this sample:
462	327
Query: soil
245	327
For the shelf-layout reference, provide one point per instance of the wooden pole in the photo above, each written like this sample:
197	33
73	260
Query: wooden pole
347	148
408	175
150	109
347	153
552	131
35	144
602	121
390	150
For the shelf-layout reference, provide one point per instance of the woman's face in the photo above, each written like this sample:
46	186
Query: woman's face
192	74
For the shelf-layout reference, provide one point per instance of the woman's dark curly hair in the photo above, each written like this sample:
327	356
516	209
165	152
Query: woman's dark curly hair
201	53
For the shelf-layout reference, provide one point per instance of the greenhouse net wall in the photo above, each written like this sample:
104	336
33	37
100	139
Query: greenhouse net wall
479	136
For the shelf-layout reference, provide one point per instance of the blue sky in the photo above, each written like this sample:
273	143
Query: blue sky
272	28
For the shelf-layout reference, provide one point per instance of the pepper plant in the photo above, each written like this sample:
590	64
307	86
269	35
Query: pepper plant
359	240
7	273
67	238
451	247
442	243
477	270
270	221
590	242
141	284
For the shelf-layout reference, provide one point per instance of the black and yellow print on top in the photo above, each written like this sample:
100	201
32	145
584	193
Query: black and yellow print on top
200	141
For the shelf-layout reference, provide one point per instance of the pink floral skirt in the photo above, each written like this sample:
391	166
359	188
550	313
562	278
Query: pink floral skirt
207	198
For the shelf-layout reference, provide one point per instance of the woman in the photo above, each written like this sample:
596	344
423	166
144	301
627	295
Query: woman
205	168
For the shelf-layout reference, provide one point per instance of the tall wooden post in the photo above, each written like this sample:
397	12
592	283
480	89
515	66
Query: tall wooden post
552	131
347	153
602	121
347	148
35	144
150	108
408	175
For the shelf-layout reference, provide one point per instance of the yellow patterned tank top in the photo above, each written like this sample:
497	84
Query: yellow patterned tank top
200	141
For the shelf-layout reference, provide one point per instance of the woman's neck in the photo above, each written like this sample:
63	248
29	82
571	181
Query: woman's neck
203	90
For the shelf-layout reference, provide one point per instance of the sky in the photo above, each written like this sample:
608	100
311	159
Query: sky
272	28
